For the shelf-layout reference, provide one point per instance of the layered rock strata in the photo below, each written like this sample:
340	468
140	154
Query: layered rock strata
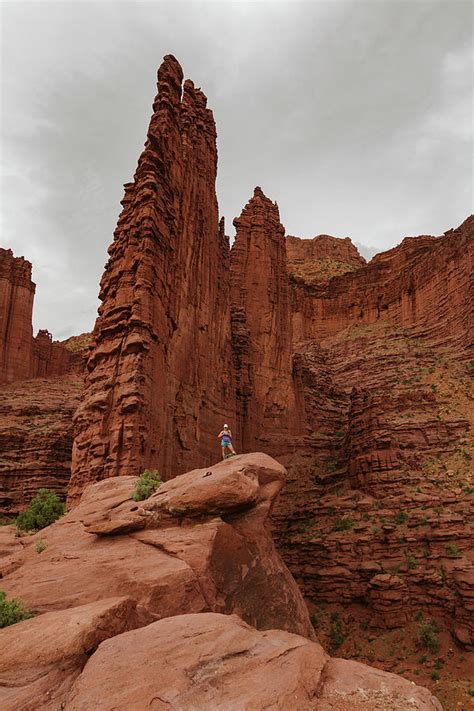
16	307
267	413
160	375
22	356
318	260
36	438
425	283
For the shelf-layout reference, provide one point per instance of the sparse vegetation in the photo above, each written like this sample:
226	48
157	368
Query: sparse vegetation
40	546
400	517
435	676
12	611
148	482
314	619
45	508
343	524
452	551
410	560
428	635
336	634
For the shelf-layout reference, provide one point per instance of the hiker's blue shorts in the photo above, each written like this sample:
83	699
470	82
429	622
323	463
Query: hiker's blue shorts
225	442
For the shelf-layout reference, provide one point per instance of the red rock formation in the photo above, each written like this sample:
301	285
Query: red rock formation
16	307
160	380
198	544
217	662
36	438
424	283
21	355
261	329
49	358
317	260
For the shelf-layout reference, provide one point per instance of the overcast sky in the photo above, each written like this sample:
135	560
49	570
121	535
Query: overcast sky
356	117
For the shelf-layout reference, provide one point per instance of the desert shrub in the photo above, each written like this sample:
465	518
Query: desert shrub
428	635
400	517
45	508
410	560
336	635
366	516
40	546
12	610
435	676
314	619
343	524
452	551
148	482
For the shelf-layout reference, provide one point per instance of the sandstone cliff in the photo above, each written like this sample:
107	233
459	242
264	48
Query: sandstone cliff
261	329
160	377
16	306
317	260
22	356
424	283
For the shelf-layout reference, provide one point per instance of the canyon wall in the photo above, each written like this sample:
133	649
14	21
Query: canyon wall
159	384
423	283
267	416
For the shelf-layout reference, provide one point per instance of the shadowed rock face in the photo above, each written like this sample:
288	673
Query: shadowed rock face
160	379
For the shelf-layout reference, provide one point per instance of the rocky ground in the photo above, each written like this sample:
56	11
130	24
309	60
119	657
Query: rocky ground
116	586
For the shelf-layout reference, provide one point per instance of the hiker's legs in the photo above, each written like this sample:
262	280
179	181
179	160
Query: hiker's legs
223	452
231	447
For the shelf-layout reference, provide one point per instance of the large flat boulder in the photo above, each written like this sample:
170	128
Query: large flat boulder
41	657
210	661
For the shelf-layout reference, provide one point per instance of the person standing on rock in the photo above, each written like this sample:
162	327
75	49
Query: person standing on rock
225	436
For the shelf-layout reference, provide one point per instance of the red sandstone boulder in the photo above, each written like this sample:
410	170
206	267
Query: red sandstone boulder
217	662
41	657
198	544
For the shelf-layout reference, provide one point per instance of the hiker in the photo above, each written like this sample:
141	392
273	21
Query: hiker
225	436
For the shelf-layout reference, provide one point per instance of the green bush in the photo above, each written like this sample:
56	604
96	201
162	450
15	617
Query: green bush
435	676
343	524
40	546
149	481
428	635
400	517
336	635
452	551
12	611
44	509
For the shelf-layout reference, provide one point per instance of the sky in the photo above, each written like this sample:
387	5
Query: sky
355	116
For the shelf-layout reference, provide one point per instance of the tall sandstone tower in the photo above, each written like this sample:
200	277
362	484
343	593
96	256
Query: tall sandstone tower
160	373
17	293
267	413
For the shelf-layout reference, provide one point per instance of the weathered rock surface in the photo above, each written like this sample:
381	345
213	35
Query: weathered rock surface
423	283
160	376
209	661
16	307
199	543
36	438
267	414
41	657
318	260
21	355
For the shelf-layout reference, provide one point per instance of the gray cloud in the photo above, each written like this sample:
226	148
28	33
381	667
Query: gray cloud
355	116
